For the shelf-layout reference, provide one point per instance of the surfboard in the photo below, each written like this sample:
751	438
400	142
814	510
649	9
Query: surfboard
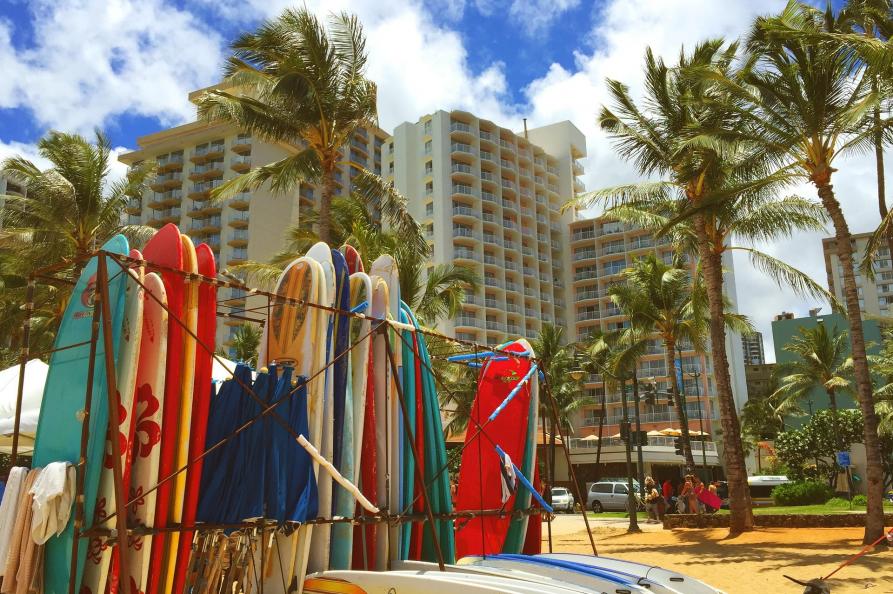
514	540
147	416
99	554
187	379
408	502
201	389
165	248
479	472
292	334
385	267
353	259
382	425
437	582
59	427
674	580
321	544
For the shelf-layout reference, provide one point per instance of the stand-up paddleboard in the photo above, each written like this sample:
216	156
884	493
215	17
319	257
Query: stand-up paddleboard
147	416
187	379
321	543
201	400
405	341
60	424
533	539
383	426
385	267
530	575
353	259
436	475
99	554
479	472
166	249
514	540
352	434
342	409
590	578
656	575
437	582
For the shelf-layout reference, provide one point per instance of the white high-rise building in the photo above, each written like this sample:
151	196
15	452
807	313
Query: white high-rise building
491	199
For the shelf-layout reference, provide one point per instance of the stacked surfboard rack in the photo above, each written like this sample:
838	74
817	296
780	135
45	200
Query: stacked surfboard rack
323	470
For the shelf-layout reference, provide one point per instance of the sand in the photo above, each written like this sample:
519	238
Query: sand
752	562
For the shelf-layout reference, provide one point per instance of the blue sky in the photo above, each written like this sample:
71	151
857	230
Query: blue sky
126	66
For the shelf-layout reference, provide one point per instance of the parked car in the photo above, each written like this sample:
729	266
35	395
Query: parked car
562	500
610	495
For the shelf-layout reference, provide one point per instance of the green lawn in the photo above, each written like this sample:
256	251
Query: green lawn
769	511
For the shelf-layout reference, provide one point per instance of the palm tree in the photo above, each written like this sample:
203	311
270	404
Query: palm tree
713	190
822	362
806	105
298	82
558	362
874	19
244	343
68	211
659	298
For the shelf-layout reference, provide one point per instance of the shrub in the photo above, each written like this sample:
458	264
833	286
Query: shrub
860	500
838	502
801	493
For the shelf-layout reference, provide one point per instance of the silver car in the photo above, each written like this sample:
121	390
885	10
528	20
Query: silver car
609	496
562	500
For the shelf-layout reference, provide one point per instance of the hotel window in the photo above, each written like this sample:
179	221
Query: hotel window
428	127
429	167
428	147
391	168
429	209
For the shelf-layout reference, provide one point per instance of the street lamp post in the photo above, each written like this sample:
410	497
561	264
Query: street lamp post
631	505
639	457
697	376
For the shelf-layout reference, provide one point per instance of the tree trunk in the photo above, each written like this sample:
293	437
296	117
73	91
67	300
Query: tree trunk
631	506
881	183
679	403
736	472
874	473
640	461
832	405
325	205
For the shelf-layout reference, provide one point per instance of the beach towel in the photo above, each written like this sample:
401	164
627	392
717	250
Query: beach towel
52	495
23	573
12	496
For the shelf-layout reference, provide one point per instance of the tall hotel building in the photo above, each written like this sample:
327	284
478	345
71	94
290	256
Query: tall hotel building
195	158
491	199
875	295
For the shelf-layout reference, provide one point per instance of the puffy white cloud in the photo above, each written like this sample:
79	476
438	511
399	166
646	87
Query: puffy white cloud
92	60
536	16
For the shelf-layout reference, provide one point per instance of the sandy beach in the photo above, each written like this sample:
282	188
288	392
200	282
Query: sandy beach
749	563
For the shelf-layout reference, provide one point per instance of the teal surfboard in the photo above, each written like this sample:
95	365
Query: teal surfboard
59	429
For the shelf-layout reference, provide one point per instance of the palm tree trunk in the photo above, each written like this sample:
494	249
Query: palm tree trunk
881	182
736	472
325	205
681	413
874	473
640	461
832	405
631	506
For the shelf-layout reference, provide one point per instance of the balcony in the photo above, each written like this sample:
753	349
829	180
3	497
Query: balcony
612	228
238	219
487	136
488	176
134	205
490	259
238	238
464	211
461	168
489	197
464	189
207	151
507	164
206	225
552	188
238	256
240	201
508	185
526	250
134	219
509	224
587	315
584	255
488	156
241	163
202	208
513	308
158	218
553	169
491	281
202	191
493	325
509	205
511	286
506	145
460	127
169	162
510	245
241	144
468	322
461	147
206	170
465	232
491	239
513	329
172	179
578	167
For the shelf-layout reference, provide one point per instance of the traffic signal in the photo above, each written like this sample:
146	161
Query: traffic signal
624	430
650	391
677	444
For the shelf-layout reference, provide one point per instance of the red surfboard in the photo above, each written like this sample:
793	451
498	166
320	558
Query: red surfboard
364	535
479	473
201	400
165	249
352	256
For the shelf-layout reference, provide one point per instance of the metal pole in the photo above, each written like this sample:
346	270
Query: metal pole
550	480
114	401
631	494
567	457
23	361
80	469
415	454
640	460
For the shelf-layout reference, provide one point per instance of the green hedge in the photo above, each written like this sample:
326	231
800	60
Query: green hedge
802	493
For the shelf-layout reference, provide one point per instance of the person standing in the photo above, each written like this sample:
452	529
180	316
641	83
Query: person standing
653	499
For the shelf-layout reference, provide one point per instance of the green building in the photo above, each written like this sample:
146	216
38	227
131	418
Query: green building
786	326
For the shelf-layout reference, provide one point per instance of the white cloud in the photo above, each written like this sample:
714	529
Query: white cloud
536	16
93	60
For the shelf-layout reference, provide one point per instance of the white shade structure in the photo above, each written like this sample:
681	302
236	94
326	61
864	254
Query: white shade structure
32	396
590	438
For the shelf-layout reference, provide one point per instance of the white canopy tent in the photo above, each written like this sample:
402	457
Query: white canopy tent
32	395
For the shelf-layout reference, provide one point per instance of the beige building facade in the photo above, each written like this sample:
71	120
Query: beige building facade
875	295
491	199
